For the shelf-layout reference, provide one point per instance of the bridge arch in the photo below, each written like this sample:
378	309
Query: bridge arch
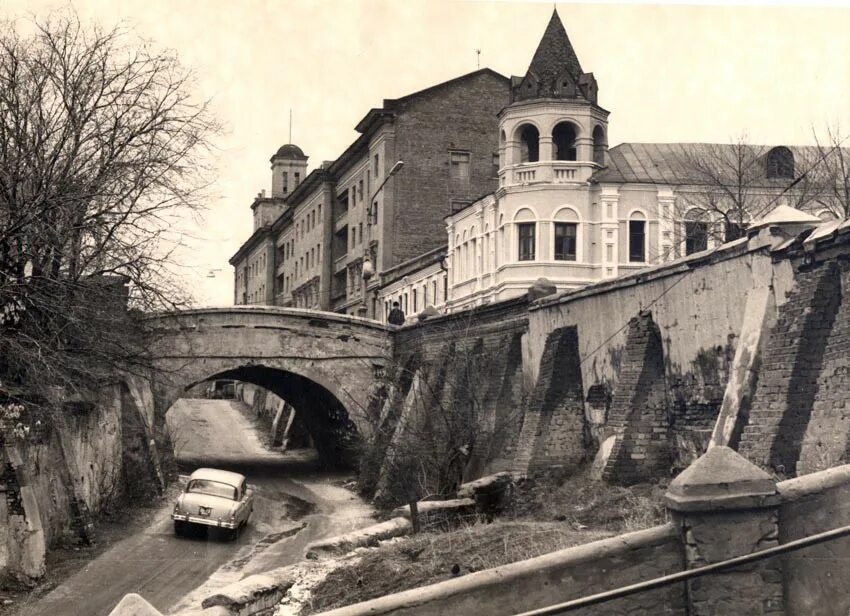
323	364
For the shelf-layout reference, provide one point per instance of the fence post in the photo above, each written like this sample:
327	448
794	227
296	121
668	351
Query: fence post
725	506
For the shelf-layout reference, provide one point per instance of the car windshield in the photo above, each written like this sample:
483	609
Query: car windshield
211	488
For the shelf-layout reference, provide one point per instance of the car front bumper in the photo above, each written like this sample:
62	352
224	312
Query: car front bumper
194	519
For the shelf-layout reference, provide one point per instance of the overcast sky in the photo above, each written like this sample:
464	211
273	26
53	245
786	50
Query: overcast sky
666	73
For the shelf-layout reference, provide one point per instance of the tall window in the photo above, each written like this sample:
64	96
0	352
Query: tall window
637	241
529	138
696	236
565	241
459	165
526	233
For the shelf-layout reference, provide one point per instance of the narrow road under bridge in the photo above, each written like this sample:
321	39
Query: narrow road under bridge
164	568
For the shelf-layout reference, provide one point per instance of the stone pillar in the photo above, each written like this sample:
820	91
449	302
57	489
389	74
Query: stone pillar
546	148
584	148
725	506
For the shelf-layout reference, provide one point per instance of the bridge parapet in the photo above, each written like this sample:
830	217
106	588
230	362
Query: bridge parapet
324	364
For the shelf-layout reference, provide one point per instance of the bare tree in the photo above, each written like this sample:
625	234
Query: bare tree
724	187
102	151
829	164
438	420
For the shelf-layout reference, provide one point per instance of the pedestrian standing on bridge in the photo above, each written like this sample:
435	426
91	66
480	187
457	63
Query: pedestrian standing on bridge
396	316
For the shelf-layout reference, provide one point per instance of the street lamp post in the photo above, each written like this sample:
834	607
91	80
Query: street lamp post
368	269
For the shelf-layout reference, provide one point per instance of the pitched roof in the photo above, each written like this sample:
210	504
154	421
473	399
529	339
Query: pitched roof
669	163
555	54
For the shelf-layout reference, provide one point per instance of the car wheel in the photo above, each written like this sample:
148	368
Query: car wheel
179	528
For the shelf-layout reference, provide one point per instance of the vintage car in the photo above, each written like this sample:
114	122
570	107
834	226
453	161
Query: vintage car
214	498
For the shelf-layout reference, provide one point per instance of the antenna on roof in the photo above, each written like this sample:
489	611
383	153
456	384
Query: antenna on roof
478	57
290	125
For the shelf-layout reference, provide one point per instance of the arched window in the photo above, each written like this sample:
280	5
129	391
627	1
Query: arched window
637	238
780	163
566	235
529	138
599	145
526	226
564	137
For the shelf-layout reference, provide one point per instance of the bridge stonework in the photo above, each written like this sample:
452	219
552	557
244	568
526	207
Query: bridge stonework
323	364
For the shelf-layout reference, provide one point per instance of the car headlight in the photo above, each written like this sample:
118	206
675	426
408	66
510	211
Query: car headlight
177	507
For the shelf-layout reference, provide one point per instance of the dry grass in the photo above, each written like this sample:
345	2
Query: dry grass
434	557
579	500
551	513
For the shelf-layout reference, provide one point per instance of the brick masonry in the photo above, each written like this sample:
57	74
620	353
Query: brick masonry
827	436
555	431
639	416
788	381
460	115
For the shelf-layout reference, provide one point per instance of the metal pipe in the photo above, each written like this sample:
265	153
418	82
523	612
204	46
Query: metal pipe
665	580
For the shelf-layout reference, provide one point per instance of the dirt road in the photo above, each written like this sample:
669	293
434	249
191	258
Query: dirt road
295	504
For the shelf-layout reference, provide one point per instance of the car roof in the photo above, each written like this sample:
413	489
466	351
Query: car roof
214	474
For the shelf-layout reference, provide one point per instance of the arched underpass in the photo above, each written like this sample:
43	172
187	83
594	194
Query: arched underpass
325	417
323	364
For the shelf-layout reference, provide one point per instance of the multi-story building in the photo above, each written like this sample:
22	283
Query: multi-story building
571	211
557	202
335	232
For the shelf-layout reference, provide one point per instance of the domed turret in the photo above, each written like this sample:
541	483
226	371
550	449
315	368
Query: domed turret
289	167
289	151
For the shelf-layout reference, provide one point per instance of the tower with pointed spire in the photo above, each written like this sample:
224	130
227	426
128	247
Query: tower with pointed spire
553	131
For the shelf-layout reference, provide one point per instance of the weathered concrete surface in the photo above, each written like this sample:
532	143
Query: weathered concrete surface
252	594
552	578
759	318
816	579
725	507
323	364
395	527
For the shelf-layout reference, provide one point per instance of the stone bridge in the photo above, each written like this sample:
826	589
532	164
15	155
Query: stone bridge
323	364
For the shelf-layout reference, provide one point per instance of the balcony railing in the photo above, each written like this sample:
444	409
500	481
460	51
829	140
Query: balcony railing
545	172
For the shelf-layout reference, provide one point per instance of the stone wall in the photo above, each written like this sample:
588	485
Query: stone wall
467	367
639	419
791	363
72	459
655	351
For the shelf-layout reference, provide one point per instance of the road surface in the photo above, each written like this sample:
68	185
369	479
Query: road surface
164	569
